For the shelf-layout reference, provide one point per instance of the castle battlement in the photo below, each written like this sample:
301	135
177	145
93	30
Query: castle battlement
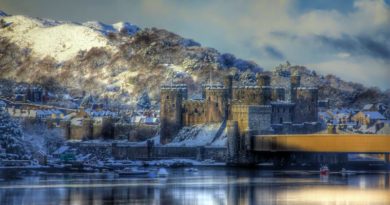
173	87
307	88
254	106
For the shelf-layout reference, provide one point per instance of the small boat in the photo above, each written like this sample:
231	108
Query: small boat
162	172
347	172
324	170
132	172
191	169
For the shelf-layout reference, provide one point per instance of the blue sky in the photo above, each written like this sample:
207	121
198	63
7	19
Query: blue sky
348	38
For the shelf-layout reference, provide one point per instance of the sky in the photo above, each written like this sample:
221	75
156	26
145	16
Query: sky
347	38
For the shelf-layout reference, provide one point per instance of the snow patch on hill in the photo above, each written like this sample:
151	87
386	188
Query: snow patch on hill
104	28
2	13
59	40
198	135
126	27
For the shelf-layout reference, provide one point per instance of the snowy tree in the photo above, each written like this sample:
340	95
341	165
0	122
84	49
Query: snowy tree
43	139
144	101
11	138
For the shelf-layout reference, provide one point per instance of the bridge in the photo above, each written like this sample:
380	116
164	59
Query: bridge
249	147
336	143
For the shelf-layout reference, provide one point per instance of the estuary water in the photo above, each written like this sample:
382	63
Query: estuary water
205	186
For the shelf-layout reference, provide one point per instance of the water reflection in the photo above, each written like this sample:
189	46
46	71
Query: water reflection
208	186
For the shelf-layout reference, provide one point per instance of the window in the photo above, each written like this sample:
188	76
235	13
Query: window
281	120
167	96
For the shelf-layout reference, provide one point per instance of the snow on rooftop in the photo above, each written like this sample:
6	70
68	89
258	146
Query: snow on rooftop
77	121
368	106
100	113
61	150
324	115
374	115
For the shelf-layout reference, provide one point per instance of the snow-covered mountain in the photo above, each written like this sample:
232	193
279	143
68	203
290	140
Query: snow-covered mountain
121	61
118	61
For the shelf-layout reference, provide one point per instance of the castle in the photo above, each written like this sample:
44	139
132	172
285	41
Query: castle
261	108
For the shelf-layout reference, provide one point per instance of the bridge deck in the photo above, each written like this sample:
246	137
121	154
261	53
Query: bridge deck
353	143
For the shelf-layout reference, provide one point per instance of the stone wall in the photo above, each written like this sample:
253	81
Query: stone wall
259	118
132	152
193	112
282	112
278	94
81	132
248	95
129	151
253	117
302	128
102	128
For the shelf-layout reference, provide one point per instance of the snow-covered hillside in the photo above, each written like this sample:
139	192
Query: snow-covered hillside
59	40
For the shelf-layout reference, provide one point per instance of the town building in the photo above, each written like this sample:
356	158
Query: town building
368	118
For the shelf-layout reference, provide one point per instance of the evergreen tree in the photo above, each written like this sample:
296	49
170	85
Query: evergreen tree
144	101
11	138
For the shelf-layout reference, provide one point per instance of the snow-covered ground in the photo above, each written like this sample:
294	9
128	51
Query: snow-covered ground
199	135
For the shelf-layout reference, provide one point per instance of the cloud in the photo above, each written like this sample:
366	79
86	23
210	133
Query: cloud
361	45
267	32
343	55
274	52
361	70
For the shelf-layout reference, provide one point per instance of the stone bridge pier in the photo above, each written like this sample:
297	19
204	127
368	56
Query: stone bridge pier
239	146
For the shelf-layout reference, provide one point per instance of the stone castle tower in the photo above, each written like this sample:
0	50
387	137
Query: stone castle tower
171	110
306	105
215	103
305	99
